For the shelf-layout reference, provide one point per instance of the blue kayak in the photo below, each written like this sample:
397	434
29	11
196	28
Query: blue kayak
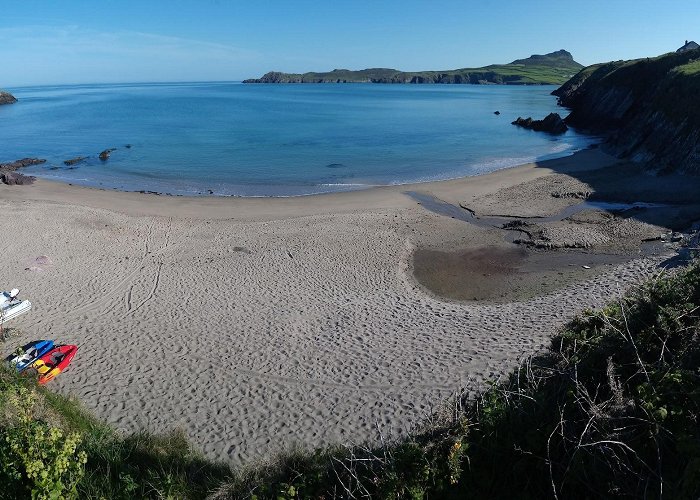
32	352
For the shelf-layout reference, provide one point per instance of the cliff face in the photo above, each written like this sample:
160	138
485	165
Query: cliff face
553	68
648	109
6	98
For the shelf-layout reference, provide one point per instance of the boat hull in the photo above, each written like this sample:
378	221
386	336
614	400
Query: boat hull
12	311
32	352
54	362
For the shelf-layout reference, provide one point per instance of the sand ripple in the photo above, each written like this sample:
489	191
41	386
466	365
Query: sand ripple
316	333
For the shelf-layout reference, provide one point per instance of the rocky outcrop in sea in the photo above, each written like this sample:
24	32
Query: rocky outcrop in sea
75	160
552	124
24	162
104	155
7	98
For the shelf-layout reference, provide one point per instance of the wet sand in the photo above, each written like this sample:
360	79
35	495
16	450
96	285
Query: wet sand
498	274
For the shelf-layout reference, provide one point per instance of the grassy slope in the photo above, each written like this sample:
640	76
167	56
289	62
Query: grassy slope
610	410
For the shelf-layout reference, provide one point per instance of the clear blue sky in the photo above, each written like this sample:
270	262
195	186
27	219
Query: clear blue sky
85	41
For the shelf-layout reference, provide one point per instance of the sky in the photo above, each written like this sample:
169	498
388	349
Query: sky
99	41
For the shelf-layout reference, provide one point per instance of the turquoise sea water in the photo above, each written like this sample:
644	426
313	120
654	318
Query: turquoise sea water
275	140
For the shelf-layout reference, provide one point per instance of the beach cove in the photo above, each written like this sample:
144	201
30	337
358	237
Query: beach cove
258	324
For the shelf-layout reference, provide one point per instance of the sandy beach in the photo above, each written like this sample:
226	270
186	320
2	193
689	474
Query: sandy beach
257	324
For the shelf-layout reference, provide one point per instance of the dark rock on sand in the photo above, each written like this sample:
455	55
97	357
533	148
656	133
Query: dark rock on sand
577	195
104	155
515	224
552	124
24	162
16	179
7	98
75	160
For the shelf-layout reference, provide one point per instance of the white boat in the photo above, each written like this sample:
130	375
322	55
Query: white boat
11	306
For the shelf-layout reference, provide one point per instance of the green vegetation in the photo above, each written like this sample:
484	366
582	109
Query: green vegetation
668	84
690	69
549	69
648	108
609	410
51	448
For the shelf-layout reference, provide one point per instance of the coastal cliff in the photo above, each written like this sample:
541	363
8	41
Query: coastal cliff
648	109
7	98
553	69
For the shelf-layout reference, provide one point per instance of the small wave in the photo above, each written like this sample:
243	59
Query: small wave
331	184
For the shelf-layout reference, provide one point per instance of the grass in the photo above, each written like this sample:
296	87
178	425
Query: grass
690	69
610	410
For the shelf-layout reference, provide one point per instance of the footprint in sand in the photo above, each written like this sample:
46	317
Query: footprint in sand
38	264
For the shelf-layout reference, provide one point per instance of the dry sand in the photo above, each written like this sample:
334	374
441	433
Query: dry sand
257	324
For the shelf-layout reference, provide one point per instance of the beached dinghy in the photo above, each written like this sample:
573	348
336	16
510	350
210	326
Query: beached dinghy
11	306
31	352
54	362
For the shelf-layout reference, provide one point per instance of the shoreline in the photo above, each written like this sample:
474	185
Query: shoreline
591	143
145	203
257	324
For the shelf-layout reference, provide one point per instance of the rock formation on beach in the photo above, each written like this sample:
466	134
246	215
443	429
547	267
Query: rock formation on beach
552	124
647	109
15	178
7	98
553	68
9	176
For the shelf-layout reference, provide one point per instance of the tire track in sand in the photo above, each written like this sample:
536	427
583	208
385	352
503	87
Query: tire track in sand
106	299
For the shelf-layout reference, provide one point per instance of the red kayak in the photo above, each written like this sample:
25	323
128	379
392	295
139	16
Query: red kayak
54	362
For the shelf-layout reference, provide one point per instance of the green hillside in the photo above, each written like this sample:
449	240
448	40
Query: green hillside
554	68
648	108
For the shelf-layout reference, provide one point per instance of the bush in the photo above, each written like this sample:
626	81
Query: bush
38	458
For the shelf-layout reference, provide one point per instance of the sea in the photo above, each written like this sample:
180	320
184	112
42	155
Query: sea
234	139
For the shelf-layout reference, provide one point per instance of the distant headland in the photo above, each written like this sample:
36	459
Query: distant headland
554	68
